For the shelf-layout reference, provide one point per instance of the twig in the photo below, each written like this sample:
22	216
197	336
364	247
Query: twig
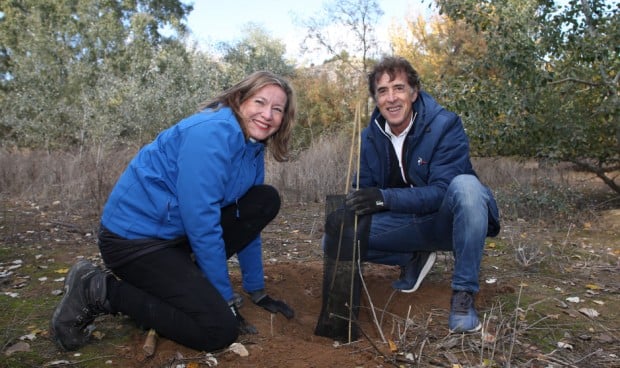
271	323
381	354
372	307
387	303
514	336
404	334
77	362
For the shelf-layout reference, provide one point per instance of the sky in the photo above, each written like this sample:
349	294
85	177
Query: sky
214	21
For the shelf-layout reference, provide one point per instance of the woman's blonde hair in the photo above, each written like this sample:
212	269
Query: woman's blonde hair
234	96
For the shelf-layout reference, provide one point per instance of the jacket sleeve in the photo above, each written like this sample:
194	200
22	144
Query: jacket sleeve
251	264
251	257
449	157
204	160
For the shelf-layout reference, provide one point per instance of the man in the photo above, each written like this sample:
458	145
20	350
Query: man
417	182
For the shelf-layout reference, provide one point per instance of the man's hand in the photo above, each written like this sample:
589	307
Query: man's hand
244	327
272	305
365	201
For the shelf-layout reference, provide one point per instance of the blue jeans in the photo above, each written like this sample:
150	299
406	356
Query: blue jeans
460	225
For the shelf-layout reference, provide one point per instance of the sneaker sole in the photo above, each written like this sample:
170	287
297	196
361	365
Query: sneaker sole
425	270
68	281
475	329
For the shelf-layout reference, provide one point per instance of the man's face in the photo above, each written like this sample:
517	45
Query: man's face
394	98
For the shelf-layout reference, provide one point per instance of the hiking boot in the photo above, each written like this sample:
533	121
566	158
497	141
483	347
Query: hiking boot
85	298
412	274
463	317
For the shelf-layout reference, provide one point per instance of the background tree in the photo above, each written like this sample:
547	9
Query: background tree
326	101
356	20
549	81
445	54
67	65
256	51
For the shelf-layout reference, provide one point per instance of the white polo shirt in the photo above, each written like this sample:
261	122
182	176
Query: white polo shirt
398	141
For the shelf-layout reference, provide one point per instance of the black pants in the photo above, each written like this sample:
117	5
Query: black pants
165	290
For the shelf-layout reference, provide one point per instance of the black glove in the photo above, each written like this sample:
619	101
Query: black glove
244	327
365	201
274	306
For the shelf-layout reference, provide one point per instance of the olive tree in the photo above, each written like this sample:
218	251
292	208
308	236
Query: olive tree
548	85
69	67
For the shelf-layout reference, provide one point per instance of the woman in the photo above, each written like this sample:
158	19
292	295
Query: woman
186	203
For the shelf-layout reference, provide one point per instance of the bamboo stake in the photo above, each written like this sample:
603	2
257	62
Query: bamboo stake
356	130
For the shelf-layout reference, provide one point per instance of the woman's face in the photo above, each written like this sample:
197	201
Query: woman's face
263	112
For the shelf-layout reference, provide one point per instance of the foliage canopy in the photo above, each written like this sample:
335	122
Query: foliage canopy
530	78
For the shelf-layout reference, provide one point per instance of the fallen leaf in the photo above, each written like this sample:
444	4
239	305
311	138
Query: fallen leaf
565	345
30	336
239	349
592	313
593	287
62	270
57	363
488	338
98	335
210	360
573	299
20	346
605	338
392	345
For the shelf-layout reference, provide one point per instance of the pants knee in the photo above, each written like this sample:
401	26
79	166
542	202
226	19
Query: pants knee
218	337
267	197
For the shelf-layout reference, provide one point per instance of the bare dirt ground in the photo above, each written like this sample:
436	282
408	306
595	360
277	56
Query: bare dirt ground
559	309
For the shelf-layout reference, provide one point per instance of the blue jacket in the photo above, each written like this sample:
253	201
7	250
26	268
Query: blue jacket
437	150
177	185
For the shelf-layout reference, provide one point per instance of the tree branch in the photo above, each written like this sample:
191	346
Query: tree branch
565	80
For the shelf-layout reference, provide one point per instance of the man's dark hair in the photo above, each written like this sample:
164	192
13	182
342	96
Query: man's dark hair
392	65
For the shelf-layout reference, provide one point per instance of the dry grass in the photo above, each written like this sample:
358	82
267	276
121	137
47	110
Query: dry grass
523	189
68	178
